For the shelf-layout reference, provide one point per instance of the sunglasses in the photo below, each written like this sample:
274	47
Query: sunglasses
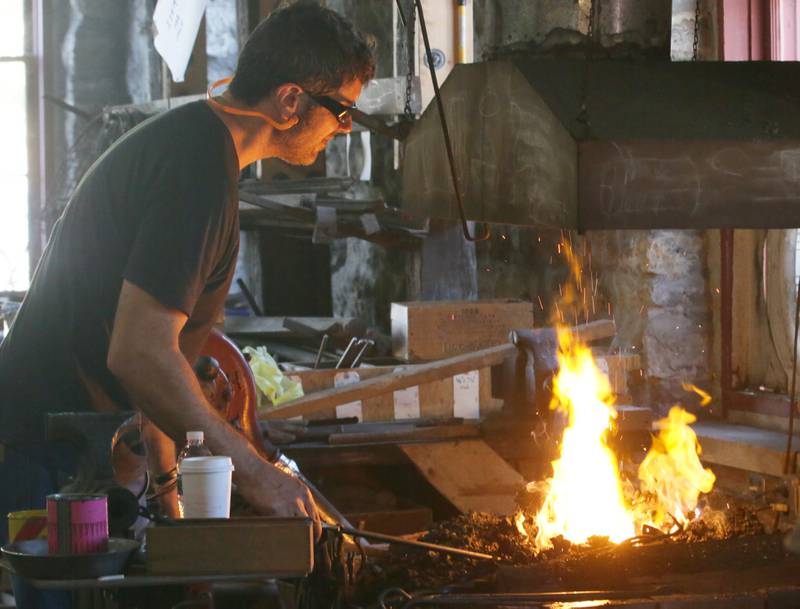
338	109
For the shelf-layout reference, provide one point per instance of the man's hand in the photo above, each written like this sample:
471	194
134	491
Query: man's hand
275	493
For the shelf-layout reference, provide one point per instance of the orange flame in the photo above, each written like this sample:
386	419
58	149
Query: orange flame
705	398
585	495
672	471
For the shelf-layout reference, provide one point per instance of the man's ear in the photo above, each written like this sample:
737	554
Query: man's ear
288	98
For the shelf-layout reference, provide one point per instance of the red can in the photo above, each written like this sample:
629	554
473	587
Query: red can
77	523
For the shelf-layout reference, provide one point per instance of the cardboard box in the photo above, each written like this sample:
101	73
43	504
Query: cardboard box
425	331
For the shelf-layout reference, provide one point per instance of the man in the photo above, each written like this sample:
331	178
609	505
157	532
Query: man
138	267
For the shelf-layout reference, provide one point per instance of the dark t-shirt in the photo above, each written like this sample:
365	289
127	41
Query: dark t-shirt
160	210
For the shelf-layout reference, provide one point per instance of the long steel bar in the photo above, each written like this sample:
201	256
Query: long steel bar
409	543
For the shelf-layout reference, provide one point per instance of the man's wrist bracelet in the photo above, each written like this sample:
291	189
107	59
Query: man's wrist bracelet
166	477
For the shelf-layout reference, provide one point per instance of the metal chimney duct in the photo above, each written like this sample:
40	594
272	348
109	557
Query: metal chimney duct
614	143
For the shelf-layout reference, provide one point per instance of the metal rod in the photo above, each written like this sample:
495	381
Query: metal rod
365	345
346	355
411	544
248	296
323	343
84	114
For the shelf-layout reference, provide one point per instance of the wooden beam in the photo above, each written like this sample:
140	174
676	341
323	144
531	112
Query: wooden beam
726	315
411	376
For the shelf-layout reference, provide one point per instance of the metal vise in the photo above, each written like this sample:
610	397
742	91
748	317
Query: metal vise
527	384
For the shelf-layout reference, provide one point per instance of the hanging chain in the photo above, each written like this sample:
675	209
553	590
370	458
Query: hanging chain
696	42
590	30
407	111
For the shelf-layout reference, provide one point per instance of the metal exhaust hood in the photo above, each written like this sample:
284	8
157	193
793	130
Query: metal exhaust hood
660	145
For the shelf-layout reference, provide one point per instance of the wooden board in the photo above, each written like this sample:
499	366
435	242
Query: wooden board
469	474
424	331
617	367
455	369
748	448
435	398
278	546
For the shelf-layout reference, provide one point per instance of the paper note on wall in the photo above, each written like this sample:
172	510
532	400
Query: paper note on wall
406	403
176	24
466	397
351	409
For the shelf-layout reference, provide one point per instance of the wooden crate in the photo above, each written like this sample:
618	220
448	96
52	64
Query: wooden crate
465	395
278	547
424	331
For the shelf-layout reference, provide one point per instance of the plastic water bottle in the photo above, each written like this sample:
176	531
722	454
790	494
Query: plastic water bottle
195	447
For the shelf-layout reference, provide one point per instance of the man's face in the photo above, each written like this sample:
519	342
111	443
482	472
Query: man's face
301	144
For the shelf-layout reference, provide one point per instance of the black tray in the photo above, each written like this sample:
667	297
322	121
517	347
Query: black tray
30	559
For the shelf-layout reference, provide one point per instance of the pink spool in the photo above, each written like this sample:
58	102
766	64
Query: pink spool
77	523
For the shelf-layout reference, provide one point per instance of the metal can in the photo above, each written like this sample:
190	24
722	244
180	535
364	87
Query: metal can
27	524
77	523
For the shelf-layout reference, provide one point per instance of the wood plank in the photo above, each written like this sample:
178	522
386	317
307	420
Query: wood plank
236	545
401	379
469	474
747	448
431	330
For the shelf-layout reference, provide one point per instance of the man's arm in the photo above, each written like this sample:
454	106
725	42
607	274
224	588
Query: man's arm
145	356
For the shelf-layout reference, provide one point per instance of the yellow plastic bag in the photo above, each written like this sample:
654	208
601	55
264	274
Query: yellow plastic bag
275	388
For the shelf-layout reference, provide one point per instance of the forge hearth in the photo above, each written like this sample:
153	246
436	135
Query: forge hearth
736	565
739	558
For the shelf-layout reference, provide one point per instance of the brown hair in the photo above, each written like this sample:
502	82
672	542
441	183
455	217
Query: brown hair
305	44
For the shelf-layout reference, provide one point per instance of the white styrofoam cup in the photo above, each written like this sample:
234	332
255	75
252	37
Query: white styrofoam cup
206	487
